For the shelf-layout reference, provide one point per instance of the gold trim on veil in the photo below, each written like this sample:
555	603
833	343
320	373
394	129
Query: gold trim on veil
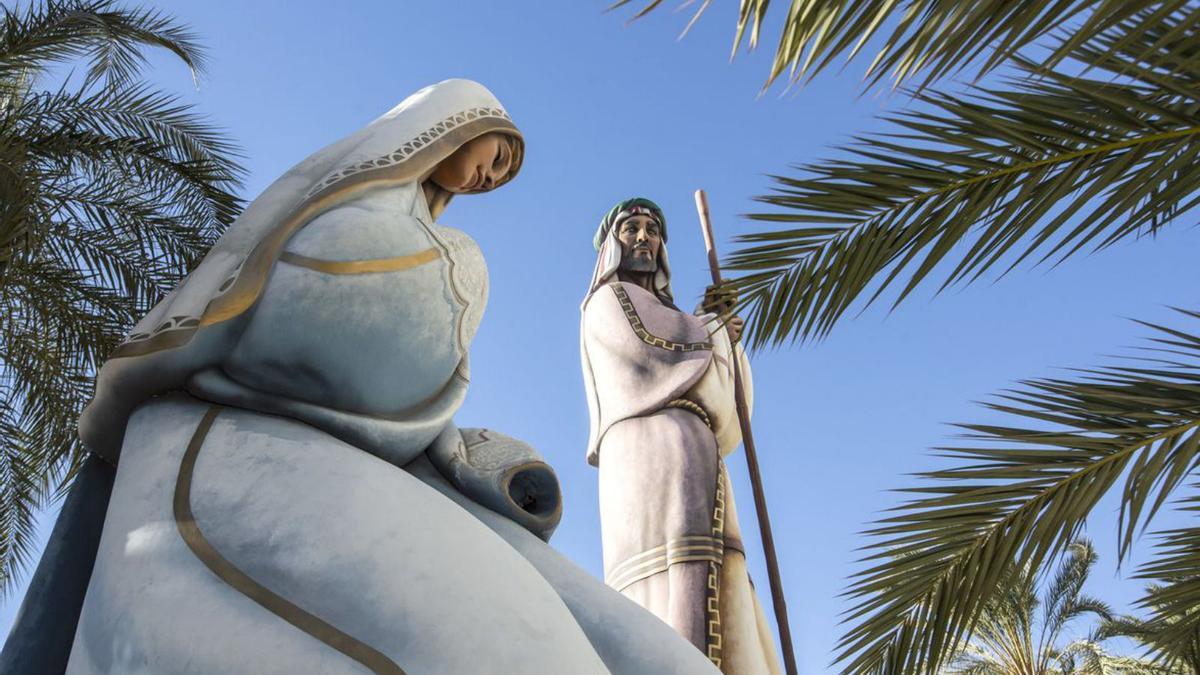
240	291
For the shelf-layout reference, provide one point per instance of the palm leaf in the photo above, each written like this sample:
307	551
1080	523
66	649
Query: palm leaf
1174	652
1174	598
1052	166
1018	496
1003	640
109	38
930	37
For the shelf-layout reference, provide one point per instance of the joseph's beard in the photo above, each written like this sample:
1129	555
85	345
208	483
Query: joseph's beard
632	263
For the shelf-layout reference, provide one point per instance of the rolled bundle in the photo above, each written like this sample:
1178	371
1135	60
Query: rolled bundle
502	473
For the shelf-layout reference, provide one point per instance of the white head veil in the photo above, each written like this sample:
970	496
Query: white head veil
191	329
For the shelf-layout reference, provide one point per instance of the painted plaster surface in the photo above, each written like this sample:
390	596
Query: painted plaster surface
663	417
292	494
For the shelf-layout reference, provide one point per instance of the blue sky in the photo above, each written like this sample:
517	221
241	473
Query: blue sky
611	111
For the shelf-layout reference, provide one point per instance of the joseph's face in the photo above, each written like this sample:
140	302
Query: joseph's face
641	240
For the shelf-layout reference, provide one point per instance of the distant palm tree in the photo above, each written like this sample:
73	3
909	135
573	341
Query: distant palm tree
109	192
1092	139
1021	634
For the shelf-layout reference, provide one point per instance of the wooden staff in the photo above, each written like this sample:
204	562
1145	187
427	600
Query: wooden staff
760	499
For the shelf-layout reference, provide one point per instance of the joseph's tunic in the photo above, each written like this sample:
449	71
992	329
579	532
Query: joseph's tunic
660	390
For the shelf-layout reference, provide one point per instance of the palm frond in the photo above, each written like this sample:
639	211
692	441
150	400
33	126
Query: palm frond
1089	657
1064	600
20	489
1174	598
976	663
109	193
1018	497
1003	639
1052	166
108	37
1173	652
932	38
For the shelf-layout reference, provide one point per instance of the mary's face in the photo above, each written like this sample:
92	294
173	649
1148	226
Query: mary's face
477	166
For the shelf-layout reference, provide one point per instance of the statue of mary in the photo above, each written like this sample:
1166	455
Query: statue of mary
291	494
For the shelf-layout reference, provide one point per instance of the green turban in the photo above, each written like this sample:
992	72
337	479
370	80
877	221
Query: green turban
625	209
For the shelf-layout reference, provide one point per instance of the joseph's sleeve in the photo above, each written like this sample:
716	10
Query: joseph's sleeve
637	355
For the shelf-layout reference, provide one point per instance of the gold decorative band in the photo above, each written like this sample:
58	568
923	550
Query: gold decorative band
639	328
713	640
167	339
253	276
247	282
712	609
695	548
185	520
369	266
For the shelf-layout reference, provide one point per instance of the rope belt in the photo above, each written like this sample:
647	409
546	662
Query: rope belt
692	407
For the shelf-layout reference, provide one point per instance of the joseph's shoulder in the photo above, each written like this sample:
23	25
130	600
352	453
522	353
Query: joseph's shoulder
599	298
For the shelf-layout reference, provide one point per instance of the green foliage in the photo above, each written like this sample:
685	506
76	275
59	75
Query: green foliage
930	37
1019	495
1173	629
109	192
1092	137
109	38
1053	165
1013	636
1171	633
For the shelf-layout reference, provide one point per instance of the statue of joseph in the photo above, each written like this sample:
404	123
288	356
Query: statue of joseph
660	393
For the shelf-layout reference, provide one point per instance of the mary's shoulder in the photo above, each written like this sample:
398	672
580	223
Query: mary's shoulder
451	232
457	241
357	230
